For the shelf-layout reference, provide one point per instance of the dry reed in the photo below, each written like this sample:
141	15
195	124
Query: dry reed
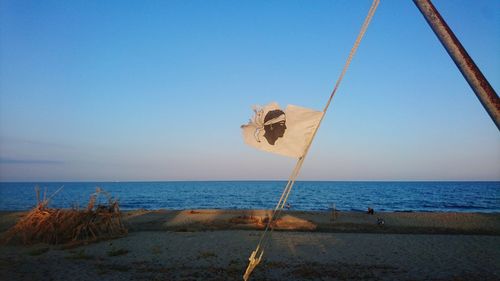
58	226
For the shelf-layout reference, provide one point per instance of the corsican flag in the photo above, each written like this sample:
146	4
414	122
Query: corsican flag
282	132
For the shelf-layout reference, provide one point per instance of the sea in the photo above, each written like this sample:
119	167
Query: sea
483	197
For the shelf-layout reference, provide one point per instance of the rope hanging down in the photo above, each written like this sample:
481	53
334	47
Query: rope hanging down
257	254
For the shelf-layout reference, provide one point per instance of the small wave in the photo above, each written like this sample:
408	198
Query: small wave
459	206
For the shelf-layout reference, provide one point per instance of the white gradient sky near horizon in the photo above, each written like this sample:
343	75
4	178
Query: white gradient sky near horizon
157	90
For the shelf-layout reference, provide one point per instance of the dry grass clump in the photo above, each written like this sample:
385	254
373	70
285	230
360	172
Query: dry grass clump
246	220
57	226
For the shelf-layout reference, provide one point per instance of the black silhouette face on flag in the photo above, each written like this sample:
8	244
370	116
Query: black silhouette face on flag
276	127
286	132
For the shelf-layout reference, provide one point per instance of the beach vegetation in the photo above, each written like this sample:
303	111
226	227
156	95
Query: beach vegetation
38	251
156	250
275	264
104	268
117	252
119	267
79	255
207	254
59	226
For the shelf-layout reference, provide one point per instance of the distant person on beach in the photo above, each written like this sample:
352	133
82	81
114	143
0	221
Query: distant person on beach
370	211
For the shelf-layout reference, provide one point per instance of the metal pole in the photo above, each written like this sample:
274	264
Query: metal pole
481	87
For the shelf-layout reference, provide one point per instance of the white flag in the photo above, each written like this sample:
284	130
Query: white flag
282	132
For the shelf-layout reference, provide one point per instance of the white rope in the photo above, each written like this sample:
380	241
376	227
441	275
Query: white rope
257	254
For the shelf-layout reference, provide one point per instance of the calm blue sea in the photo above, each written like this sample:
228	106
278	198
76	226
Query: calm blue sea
308	195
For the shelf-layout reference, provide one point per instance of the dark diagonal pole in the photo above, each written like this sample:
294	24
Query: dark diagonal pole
481	87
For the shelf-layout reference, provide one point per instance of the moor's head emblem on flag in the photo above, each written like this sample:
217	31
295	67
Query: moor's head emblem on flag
282	131
274	125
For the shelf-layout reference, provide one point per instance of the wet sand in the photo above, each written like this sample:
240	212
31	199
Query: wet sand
215	245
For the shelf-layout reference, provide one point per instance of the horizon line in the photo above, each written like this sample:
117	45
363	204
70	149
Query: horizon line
238	180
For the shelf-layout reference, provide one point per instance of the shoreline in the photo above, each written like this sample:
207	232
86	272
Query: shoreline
308	221
215	245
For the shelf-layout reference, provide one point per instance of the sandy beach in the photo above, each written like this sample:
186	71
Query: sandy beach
215	245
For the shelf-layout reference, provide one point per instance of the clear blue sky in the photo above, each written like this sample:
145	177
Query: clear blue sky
157	90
